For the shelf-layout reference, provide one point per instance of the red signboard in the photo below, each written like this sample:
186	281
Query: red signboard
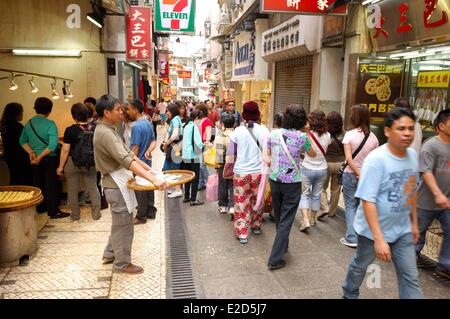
164	69
311	7
185	74
139	34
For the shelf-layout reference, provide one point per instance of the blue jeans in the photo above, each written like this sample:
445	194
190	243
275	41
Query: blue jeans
312	181
403	257
426	217
349	185
204	173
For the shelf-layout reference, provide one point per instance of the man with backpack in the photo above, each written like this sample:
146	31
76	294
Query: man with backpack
142	142
77	161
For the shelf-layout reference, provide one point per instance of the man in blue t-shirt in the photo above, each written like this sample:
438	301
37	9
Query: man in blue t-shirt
142	143
386	219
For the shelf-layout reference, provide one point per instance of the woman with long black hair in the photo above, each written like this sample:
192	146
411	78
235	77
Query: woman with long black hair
16	158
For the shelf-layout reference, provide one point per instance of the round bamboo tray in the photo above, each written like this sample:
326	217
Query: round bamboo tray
20	204
187	176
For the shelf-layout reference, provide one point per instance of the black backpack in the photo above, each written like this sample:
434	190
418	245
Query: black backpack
83	152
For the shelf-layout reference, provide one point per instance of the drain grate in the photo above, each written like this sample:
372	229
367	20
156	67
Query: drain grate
181	283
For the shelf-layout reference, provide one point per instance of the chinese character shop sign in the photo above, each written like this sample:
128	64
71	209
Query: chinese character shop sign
379	84
400	21
175	16
312	7
184	74
139	34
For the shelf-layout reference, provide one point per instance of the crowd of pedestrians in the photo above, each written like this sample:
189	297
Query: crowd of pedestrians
391	192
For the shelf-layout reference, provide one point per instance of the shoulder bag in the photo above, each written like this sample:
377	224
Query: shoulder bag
344	165
317	142
286	150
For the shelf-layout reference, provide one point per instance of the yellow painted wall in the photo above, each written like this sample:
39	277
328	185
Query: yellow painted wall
88	73
41	24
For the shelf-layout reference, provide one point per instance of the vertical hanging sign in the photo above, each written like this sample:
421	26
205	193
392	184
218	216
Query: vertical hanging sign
177	16
139	41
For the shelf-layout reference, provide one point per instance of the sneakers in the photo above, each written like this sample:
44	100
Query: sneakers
175	194
186	200
130	270
275	267
231	211
243	240
304	227
222	210
343	241
444	273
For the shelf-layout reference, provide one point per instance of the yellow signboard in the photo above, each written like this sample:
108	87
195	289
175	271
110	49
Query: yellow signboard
433	79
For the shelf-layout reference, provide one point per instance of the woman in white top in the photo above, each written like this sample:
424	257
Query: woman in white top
246	144
360	120
314	169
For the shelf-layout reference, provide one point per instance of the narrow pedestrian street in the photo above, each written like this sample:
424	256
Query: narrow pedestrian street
68	261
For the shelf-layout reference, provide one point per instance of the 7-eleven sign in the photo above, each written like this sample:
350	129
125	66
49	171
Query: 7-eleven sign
176	16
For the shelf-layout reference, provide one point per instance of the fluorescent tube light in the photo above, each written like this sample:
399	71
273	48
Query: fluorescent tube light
140	67
74	53
92	18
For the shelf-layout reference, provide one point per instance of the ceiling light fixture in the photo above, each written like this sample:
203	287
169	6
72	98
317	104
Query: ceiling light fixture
97	15
12	84
34	89
52	53
66	91
55	94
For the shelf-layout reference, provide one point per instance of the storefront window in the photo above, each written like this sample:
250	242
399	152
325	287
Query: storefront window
128	87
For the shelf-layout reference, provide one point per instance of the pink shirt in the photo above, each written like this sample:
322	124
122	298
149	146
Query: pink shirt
354	138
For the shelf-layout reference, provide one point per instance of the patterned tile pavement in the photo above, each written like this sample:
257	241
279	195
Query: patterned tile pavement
68	262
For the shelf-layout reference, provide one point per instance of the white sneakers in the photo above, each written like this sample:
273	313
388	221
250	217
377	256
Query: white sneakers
343	241
175	194
223	209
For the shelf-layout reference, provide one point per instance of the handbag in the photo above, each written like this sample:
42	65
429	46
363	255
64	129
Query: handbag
58	148
228	168
344	165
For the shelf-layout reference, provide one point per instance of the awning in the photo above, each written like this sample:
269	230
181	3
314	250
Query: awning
219	38
287	54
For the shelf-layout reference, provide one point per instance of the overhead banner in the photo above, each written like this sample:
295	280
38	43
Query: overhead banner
380	82
175	16
310	7
139	35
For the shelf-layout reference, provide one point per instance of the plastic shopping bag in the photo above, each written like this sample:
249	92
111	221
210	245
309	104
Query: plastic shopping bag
212	188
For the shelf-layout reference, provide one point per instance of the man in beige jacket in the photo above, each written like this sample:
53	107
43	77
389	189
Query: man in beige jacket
115	161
